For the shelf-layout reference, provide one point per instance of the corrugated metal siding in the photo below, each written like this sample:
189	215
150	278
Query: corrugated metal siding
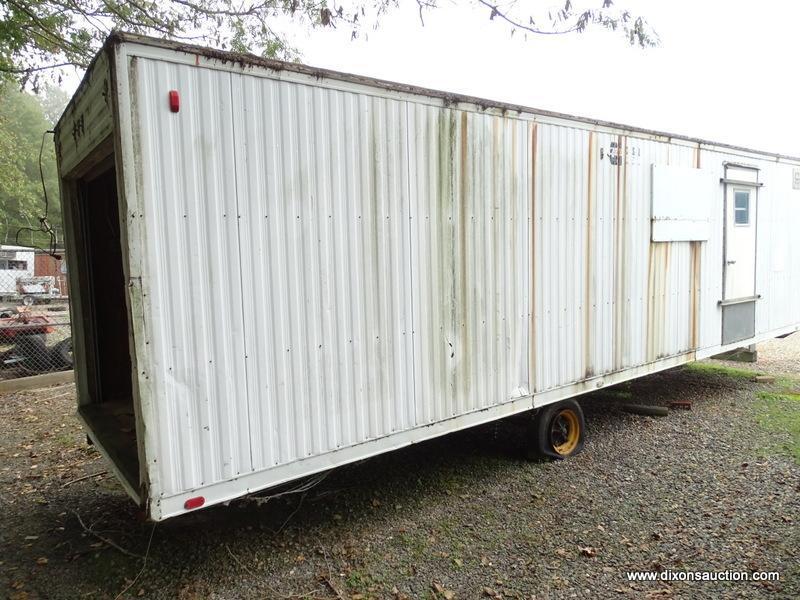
778	259
192	281
606	298
326	267
333	275
469	232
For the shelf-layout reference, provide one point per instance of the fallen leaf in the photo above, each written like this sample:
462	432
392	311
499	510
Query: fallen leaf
588	551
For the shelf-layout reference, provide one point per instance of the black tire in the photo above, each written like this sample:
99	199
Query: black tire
61	355
559	430
33	348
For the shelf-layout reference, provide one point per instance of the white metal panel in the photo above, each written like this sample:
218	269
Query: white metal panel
682	199
469	229
606	298
364	270
193	278
323	186
281	281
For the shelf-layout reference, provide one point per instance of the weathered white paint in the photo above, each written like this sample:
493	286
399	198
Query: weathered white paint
682	203
366	266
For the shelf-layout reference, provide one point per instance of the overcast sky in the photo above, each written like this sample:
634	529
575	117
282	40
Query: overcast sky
726	70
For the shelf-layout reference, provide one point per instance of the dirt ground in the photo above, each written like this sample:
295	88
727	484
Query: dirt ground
713	488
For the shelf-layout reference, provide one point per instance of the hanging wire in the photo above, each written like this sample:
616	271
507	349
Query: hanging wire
44	224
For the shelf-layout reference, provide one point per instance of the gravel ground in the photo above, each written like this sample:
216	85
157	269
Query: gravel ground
463	516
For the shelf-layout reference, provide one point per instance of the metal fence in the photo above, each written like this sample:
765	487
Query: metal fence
35	331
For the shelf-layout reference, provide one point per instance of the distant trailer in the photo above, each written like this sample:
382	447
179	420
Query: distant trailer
276	270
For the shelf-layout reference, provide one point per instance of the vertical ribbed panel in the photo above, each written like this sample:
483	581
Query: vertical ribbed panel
193	281
605	297
323	185
469	232
293	241
324	267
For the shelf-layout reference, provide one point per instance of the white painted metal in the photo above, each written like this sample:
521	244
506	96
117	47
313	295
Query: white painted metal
741	217
682	200
323	268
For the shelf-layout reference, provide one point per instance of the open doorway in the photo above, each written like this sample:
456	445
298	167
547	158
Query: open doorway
107	403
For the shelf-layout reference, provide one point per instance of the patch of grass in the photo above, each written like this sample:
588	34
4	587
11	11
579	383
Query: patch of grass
789	384
66	440
358	582
780	413
708	368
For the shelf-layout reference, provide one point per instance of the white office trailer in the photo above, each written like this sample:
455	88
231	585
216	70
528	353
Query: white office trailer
277	269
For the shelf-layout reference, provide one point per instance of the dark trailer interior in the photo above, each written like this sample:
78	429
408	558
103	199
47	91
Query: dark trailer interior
102	345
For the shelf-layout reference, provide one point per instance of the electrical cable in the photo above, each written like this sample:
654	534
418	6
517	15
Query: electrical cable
44	224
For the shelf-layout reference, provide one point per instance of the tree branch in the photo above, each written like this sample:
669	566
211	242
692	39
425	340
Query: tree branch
42	68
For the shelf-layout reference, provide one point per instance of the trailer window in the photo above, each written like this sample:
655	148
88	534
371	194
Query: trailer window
741	207
13	265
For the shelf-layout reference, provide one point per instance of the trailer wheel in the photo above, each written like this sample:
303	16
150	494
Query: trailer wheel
559	430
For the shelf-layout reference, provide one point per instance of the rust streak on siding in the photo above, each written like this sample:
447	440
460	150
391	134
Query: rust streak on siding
694	306
589	296
663	319
533	133
620	257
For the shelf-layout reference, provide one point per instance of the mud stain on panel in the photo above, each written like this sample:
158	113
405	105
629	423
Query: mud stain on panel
496	233
446	268
462	312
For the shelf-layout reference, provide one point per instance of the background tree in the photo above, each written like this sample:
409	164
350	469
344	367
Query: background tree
22	125
39	36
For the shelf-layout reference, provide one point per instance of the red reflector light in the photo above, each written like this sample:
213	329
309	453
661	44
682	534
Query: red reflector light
174	101
196	502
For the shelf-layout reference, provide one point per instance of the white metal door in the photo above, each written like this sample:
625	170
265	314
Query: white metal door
740	242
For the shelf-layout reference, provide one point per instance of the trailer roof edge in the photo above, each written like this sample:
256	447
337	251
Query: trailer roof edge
251	60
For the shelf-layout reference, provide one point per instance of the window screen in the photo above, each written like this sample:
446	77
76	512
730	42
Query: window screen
741	207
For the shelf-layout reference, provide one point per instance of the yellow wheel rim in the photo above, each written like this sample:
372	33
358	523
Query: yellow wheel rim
565	432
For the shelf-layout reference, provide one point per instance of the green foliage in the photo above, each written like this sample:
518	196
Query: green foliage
779	413
22	125
716	369
38	36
